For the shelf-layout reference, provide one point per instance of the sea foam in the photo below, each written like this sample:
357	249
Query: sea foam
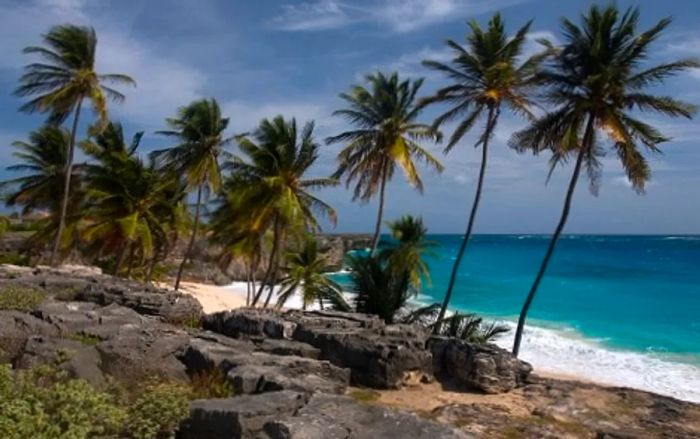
565	352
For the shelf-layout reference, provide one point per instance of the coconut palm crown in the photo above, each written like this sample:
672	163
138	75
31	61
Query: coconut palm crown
487	75
61	83
386	137
598	85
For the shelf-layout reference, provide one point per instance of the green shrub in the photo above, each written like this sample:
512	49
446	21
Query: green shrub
20	298
14	258
43	403
66	294
86	339
158	411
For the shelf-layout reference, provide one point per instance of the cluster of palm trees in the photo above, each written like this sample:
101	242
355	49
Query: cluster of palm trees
576	97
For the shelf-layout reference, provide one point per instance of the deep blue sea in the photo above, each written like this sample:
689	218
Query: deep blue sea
623	309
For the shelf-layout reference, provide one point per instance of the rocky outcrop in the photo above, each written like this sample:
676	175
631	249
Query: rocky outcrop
15	329
487	368
87	284
340	417
378	355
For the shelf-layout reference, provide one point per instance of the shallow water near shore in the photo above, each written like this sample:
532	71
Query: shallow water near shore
622	310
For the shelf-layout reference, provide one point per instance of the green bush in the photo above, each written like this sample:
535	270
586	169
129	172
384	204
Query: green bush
43	403
158	411
20	298
14	258
209	384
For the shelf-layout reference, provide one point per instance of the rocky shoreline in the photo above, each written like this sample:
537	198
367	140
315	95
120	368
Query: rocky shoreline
312	374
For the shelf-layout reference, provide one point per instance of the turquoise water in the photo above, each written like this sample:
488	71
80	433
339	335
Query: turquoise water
637	293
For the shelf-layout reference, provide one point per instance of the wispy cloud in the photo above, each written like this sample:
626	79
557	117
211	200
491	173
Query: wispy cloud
398	15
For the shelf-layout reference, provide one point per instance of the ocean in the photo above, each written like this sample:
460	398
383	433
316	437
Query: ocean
623	310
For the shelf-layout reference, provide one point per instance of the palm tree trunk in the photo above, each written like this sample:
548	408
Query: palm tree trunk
192	238
248	270
380	212
151	267
275	273
490	124
130	261
270	262
120	260
587	138
66	185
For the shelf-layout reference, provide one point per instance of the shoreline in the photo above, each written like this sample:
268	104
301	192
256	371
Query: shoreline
552	353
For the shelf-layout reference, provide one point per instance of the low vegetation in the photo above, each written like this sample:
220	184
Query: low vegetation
20	297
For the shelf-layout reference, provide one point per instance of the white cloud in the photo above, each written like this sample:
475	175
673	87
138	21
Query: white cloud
246	115
398	15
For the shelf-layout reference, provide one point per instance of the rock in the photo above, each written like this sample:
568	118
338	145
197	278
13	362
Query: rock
134	353
16	328
340	417
78	359
173	307
239	417
205	353
379	356
260	372
249	322
487	368
287	347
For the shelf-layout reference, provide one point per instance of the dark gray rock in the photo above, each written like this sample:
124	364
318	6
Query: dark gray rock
239	417
173	307
340	417
260	372
379	355
287	347
78	359
487	368
249	322
16	328
379	358
205	352
134	353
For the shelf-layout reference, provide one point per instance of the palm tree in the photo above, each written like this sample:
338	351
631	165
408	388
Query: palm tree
124	196
406	256
199	128
271	184
487	75
306	270
386	137
43	163
383	283
60	84
596	82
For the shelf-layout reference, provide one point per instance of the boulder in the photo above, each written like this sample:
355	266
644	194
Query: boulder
80	360
16	328
379	355
286	347
145	299
340	417
239	417
486	368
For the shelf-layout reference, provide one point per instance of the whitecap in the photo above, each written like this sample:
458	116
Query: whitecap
567	353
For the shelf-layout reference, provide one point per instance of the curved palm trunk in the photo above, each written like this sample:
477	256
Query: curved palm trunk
270	263
380	212
588	136
192	238
66	185
275	273
490	124
130	261
120	260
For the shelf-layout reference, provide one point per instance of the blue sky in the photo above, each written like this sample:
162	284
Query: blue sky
262	58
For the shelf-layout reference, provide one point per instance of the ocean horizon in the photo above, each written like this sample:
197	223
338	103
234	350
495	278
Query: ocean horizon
617	309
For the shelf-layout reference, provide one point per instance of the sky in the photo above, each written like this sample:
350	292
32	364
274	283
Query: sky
268	57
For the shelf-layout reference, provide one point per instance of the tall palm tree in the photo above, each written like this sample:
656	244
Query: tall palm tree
199	128
271	183
487	75
385	137
306	270
124	196
597	83
43	162
60	84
